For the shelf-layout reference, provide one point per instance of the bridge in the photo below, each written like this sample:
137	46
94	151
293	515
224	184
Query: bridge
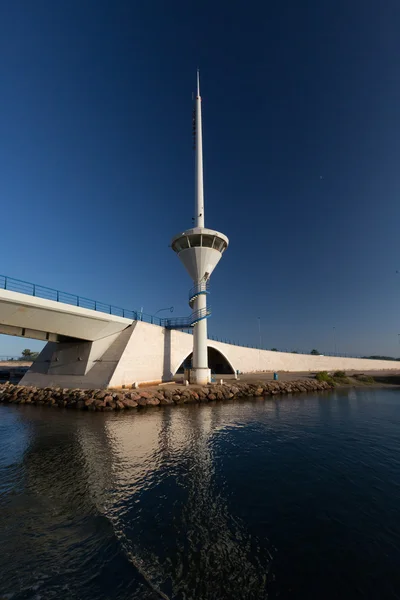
93	345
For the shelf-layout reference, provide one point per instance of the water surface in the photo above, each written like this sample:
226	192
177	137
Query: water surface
283	498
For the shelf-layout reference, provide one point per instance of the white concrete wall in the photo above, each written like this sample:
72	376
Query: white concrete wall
148	353
146	356
251	360
154	354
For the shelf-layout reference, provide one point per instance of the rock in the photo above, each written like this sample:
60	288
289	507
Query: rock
146	395
80	404
108	399
89	401
259	391
178	399
120	405
212	397
152	402
142	402
166	401
130	403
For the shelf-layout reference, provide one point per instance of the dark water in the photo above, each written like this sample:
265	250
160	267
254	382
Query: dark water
293	498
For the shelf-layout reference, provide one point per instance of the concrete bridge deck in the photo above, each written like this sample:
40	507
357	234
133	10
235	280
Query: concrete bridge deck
48	320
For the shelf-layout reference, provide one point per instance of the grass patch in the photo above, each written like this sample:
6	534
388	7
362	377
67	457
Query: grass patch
341	377
367	379
324	376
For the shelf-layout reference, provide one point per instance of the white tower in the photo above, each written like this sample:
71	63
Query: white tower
200	250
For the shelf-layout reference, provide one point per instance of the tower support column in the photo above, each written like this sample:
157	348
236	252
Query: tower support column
200	373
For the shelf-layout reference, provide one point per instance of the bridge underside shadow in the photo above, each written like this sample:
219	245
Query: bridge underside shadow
216	362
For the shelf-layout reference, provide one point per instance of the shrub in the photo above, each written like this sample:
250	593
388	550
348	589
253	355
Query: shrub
365	379
339	374
324	376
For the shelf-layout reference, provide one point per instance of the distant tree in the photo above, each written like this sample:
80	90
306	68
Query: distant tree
274	349
378	357
29	355
294	352
314	352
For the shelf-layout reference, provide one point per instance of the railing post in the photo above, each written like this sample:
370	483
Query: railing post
34	289
95	305
110	309
58	296
5	283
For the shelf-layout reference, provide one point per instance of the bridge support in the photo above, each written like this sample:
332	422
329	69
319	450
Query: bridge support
141	352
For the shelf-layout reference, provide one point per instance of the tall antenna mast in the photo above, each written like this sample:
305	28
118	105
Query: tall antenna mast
200	251
199	206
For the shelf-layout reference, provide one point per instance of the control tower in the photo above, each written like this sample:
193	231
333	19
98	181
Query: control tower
200	250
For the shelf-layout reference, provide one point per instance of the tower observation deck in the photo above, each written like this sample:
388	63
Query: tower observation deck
200	250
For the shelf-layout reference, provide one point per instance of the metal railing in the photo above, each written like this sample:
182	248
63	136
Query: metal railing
40	291
182	323
225	340
177	323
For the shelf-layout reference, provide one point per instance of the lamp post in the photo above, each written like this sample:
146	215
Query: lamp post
170	308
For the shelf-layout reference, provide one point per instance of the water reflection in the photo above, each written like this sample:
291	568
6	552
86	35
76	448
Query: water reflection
223	501
164	475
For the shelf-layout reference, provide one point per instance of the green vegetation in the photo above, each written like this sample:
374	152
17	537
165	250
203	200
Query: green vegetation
274	349
379	357
340	378
339	374
29	355
324	376
314	352
367	379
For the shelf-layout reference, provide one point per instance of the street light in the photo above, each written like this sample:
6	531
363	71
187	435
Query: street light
170	308
259	329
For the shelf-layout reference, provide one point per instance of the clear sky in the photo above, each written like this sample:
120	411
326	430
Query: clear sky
301	124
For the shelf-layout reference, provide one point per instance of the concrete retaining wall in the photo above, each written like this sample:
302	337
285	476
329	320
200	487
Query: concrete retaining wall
148	353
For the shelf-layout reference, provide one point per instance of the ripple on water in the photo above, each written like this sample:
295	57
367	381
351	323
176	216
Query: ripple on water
281	499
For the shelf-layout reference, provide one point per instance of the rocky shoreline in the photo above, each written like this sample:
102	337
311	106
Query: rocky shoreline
109	400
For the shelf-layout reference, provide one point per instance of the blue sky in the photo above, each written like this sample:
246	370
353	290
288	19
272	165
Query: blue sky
301	124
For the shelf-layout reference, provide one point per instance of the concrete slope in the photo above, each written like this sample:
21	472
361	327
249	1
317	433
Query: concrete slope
59	365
